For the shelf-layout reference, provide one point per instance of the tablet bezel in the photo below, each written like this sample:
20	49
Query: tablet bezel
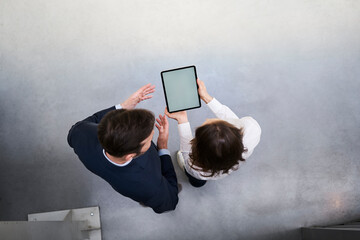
176	69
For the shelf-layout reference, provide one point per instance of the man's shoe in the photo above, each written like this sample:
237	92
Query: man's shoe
143	205
180	160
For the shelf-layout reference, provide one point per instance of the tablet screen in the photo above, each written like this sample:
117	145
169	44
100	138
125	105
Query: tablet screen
180	89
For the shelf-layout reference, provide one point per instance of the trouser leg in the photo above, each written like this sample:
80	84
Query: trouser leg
194	181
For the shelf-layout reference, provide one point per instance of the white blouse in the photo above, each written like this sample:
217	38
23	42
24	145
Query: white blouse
251	137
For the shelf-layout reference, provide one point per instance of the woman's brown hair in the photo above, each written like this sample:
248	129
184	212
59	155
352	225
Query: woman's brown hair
216	148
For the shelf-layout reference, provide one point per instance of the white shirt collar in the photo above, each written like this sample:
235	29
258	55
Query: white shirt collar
116	164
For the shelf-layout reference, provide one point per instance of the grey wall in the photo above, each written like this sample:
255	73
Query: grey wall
292	65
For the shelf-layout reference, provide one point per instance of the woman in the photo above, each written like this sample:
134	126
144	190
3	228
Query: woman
219	144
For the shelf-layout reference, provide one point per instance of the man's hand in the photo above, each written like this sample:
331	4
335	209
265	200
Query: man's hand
204	95
180	117
163	126
138	96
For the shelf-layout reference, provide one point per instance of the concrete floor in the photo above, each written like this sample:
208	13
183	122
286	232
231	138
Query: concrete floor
292	65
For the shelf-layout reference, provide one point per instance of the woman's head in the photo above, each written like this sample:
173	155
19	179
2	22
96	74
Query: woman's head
217	147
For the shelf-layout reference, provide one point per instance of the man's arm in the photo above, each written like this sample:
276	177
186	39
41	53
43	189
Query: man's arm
140	95
167	169
95	118
167	197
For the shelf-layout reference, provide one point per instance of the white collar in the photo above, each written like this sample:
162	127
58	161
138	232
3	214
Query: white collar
116	164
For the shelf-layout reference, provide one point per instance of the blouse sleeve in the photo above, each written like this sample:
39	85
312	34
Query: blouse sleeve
221	111
252	134
185	136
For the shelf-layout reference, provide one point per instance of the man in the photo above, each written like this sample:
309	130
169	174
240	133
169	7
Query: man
116	144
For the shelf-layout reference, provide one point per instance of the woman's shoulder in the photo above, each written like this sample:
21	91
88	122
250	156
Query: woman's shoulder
247	124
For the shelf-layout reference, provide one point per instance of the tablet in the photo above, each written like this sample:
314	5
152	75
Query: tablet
180	89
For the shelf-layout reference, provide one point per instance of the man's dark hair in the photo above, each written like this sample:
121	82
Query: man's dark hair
122	131
216	148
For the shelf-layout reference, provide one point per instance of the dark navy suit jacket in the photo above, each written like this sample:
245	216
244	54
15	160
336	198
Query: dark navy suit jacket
148	179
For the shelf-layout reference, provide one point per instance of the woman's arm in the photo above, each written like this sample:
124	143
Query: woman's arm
186	136
221	111
184	129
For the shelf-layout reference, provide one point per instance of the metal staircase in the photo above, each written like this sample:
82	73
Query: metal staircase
348	231
74	224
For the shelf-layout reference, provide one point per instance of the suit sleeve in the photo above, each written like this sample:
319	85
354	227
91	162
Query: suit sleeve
94	119
167	197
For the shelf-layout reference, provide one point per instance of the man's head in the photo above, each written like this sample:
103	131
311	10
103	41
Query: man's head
122	132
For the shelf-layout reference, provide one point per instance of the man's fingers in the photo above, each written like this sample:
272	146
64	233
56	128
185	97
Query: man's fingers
144	87
148	92
150	88
146	97
164	119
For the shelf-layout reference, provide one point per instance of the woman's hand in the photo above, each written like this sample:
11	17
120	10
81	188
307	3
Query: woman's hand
163	126
180	117
138	96
204	95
